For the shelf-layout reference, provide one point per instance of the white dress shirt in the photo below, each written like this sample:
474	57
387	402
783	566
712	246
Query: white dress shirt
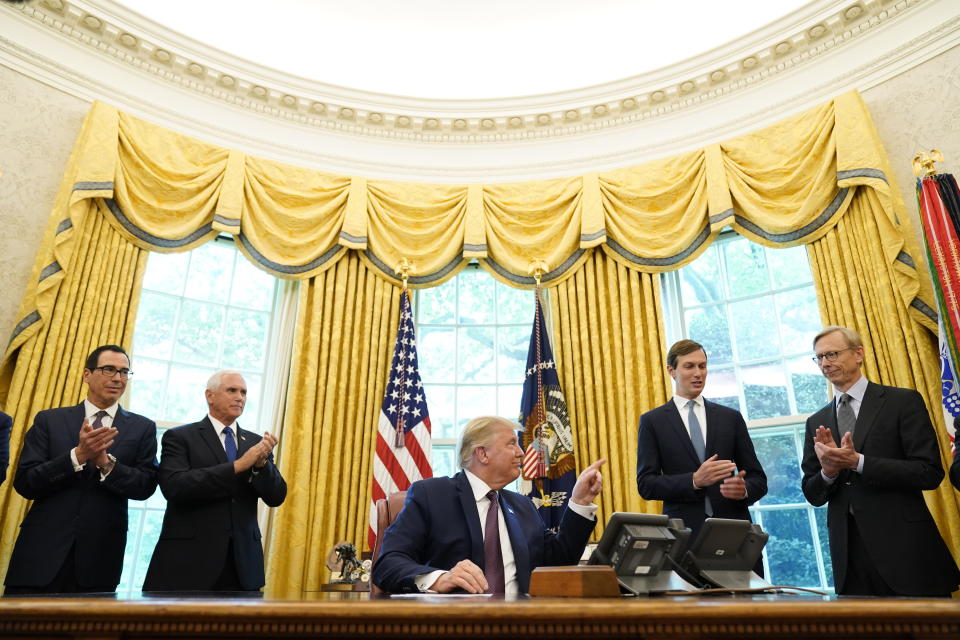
856	393
699	410
90	411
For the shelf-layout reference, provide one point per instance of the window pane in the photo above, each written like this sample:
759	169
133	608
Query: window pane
476	297
514	305
708	326
438	304
475	354
820	513
508	400
166	272
210	271
790	553
512	353
198	337
440	400
754	325
700	281
788	267
185	400
435	350
723	388
799	319
765	391
245	339
157	315
150	533
809	385
147	386
746	267
473	401
444	460
252	288
777	453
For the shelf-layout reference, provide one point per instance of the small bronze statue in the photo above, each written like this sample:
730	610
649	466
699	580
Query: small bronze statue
348	562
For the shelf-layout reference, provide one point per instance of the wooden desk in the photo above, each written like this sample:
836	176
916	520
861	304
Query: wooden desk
354	615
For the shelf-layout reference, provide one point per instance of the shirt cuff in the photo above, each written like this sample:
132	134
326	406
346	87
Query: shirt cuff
827	478
73	459
588	511
860	463
425	581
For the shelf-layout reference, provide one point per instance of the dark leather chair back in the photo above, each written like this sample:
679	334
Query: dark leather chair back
387	511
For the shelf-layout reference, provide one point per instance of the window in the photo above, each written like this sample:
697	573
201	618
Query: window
755	310
200	311
473	334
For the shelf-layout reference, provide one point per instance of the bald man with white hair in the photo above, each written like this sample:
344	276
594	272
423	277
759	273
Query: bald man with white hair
212	474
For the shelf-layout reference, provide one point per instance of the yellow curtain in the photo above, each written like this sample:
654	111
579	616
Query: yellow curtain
600	237
93	303
608	327
346	326
855	279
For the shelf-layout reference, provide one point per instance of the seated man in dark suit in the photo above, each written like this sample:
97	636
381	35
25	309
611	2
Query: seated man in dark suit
694	454
869	454
468	533
212	474
6	424
80	465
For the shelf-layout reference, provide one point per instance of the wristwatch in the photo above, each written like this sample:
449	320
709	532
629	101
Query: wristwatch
111	462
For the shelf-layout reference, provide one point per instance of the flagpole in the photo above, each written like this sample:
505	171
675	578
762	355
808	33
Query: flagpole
400	434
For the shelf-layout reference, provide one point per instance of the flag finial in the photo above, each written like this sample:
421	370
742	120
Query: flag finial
537	268
404	269
923	164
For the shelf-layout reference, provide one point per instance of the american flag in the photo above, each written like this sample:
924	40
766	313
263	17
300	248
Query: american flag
403	433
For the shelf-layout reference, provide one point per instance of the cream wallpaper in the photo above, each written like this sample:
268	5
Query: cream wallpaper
37	134
917	110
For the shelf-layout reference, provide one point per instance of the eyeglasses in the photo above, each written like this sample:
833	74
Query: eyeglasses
829	356
110	371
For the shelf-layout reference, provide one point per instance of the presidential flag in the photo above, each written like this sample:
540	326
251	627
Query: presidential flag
549	468
403	433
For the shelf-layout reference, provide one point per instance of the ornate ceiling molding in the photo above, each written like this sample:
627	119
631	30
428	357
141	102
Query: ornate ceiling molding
827	47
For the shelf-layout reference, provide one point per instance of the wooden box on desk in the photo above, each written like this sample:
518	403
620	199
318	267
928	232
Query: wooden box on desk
585	581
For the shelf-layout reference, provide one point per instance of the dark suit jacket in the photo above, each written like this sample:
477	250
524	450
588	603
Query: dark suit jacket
208	505
439	526
666	462
76	507
901	460
6	424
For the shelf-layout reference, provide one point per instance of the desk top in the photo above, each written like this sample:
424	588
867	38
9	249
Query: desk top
350	614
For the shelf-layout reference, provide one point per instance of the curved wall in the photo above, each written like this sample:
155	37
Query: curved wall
900	54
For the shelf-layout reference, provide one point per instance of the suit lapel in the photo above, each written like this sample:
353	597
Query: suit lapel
471	516
209	435
245	440
873	400
121	422
74	422
676	425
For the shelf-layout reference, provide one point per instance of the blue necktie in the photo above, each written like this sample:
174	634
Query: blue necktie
229	444
696	437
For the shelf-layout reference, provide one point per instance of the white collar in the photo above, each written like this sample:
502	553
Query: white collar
91	409
219	426
857	390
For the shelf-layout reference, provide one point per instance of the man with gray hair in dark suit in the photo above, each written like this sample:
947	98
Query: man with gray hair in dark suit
213	473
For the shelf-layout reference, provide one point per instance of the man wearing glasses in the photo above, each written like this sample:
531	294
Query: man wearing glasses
870	453
80	465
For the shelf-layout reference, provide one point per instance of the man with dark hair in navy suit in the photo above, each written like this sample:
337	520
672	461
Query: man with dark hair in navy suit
468	533
6	424
80	465
694	454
